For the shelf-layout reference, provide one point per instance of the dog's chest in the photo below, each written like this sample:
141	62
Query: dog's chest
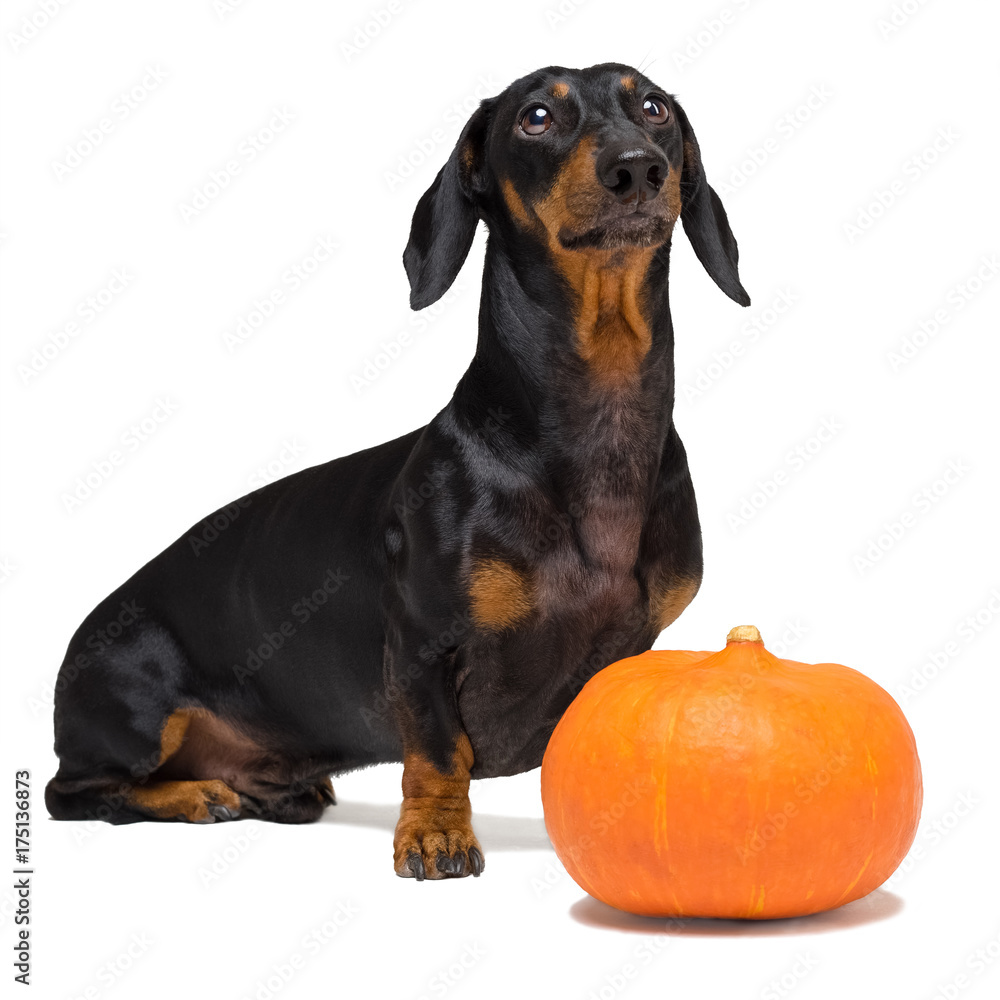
584	607
590	568
588	577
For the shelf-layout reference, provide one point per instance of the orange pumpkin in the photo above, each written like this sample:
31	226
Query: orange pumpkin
730	784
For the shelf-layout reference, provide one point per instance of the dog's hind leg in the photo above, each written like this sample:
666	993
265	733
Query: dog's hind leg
119	794
116	725
134	744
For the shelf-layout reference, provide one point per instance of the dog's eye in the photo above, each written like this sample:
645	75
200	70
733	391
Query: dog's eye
536	120
655	109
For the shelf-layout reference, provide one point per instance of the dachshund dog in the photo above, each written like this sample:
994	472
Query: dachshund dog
438	599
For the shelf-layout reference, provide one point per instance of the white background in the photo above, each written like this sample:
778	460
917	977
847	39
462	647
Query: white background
881	97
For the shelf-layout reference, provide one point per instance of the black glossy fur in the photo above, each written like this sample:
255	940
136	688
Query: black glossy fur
355	574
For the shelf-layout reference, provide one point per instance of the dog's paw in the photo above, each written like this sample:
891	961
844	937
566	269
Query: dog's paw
434	843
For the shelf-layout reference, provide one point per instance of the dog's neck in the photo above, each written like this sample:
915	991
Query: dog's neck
574	362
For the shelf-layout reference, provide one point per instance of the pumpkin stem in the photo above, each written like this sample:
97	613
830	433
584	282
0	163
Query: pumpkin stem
744	633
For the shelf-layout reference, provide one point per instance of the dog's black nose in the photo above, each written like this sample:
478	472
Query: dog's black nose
632	173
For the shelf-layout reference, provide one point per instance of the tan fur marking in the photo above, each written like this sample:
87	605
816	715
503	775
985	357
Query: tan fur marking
575	196
613	335
421	779
628	82
667	602
172	734
514	204
690	161
436	816
182	799
560	89
500	595
672	192
196	745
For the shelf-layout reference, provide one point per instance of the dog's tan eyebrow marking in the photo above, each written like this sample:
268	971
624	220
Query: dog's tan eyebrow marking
628	82
560	89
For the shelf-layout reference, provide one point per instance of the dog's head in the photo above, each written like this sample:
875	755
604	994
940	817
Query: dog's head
595	162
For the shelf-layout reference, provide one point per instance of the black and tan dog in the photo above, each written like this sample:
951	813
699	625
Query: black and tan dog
438	599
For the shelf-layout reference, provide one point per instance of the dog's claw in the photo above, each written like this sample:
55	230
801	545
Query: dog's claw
476	862
416	865
221	812
451	865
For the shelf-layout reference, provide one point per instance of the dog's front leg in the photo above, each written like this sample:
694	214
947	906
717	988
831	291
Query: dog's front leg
434	837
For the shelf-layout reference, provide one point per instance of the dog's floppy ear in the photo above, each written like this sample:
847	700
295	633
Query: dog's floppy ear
705	220
444	222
